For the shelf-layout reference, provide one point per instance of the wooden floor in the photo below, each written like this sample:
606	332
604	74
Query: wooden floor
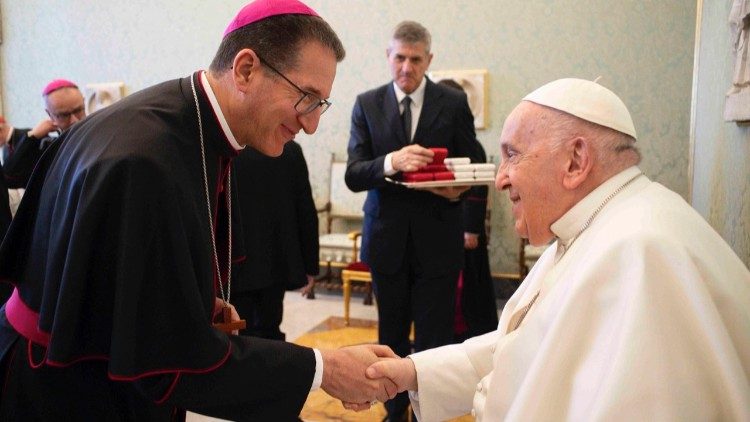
332	333
305	321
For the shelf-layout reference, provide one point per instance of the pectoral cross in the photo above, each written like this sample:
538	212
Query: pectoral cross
226	324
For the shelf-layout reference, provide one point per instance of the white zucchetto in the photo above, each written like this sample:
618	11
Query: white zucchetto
586	100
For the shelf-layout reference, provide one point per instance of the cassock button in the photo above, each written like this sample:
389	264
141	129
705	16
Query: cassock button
479	387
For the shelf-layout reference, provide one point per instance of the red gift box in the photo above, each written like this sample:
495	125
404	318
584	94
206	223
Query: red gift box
433	168
440	155
418	177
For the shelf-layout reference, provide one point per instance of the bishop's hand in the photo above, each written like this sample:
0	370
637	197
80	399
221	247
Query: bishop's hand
344	374
42	129
226	317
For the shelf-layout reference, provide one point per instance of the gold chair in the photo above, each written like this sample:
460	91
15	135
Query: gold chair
355	271
342	213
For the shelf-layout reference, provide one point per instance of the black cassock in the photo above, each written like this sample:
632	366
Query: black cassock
279	232
111	256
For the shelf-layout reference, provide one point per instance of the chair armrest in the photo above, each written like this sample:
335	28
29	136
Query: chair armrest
354	235
324	208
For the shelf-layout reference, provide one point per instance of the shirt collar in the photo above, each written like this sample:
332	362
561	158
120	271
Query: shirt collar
417	97
217	112
571	222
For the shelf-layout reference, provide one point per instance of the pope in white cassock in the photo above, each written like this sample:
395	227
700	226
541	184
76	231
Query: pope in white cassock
637	311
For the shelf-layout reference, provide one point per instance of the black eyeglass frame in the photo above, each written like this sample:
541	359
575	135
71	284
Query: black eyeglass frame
316	101
66	115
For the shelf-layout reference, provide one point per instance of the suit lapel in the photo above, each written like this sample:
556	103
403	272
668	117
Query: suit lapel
393	116
430	109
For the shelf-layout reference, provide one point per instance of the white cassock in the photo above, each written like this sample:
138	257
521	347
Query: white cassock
645	317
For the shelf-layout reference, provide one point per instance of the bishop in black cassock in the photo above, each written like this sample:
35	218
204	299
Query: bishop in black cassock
109	254
121	248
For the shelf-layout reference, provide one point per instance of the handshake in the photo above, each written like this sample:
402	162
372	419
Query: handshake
362	375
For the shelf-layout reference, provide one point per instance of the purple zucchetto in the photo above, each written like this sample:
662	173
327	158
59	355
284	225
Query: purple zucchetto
261	9
57	84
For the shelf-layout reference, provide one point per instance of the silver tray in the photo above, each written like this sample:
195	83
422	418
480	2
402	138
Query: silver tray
442	183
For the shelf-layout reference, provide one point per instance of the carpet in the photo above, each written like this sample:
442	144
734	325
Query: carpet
332	334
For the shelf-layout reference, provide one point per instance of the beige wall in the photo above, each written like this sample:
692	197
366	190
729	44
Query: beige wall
721	156
642	49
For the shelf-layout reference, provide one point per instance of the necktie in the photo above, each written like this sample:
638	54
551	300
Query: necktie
406	117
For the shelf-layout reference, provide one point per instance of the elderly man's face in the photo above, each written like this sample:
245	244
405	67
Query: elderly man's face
274	120
529	172
408	63
65	107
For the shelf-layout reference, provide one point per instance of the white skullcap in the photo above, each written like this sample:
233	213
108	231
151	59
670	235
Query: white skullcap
586	100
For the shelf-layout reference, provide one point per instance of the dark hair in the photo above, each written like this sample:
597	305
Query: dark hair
277	39
451	83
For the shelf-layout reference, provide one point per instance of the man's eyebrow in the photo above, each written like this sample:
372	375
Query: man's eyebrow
312	90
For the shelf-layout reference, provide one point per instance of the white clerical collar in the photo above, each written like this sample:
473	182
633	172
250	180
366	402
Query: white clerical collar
417	97
217	112
570	224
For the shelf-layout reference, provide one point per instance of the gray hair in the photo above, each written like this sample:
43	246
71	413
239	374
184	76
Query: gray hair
411	32
611	146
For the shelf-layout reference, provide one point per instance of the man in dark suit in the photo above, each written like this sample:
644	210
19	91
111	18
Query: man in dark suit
280	233
412	239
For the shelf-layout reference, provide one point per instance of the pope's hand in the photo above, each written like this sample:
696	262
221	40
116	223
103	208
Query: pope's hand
401	371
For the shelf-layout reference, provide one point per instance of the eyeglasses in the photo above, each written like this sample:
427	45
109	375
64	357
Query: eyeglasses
308	102
66	115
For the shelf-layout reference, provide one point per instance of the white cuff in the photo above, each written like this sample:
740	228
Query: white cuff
388	165
318	378
414	399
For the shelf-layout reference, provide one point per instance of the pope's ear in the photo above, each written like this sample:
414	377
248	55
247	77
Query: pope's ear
580	155
246	64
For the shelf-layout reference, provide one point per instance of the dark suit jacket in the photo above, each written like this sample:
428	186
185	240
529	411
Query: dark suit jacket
279	220
21	155
392	213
